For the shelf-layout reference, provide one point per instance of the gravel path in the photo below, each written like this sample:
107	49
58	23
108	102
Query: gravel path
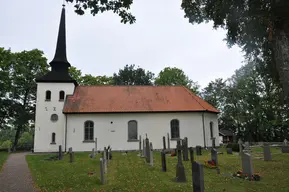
15	175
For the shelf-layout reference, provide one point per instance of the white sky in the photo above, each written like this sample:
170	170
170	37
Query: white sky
101	45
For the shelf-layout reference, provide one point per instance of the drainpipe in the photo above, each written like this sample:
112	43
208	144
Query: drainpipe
204	133
65	140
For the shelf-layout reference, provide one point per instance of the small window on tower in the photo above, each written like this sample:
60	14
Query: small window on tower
48	96
61	95
54	117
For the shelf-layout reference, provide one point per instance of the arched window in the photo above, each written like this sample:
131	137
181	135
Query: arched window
61	95
48	95
211	129
53	138
88	131
175	129
132	130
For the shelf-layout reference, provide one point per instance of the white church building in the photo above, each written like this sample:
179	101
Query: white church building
73	116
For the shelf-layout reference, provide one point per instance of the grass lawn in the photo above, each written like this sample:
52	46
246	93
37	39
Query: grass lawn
3	157
130	173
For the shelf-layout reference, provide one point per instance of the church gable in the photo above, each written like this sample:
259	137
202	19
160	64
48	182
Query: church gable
109	99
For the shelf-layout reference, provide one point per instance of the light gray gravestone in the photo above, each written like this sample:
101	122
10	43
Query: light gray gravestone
240	142
214	156
105	160
267	153
169	141
102	181
143	148
93	153
180	169
164	163
229	151
60	153
151	155
247	164
285	142
198	177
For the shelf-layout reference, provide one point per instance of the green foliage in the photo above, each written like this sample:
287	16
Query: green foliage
6	144
25	141
119	7
176	76
130	75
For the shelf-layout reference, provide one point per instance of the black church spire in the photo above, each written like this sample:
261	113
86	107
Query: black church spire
59	64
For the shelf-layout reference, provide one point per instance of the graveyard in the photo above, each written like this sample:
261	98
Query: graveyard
128	171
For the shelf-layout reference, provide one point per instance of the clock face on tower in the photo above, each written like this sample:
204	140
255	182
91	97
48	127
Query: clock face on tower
54	117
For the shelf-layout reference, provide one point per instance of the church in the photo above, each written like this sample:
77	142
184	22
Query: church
71	115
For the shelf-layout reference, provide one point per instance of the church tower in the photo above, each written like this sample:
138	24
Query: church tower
52	89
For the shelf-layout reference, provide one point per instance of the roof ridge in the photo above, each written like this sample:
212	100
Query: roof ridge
194	95
130	86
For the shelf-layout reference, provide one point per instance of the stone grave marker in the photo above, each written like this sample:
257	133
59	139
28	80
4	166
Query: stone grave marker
93	153
95	145
247	164
151	155
143	149
267	153
214	156
240	142
185	149
60	153
199	150
71	155
192	154
169	142
105	160
229	151
285	142
140	144
198	177
164	163
102	167
180	169
285	149
147	150
164	143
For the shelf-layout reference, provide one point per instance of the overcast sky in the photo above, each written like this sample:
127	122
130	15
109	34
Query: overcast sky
101	45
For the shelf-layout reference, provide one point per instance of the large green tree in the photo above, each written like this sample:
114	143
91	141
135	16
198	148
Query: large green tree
176	76
130	75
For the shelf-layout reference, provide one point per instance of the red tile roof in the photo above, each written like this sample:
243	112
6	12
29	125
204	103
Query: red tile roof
107	99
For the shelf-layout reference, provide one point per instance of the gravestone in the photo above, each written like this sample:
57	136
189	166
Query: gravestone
285	142
164	163
105	160
71	155
192	154
143	149
180	169
214	156
164	143
285	149
169	142
147	150
247	164
240	142
185	149
199	150
60	153
151	155
198	177
95	145
267	153
213	142
229	151
93	153
102	181
140	144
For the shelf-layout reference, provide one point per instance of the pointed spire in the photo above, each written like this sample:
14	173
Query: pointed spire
59	62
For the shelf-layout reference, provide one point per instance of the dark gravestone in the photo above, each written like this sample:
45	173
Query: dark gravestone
198	150
164	163
164	143
147	150
285	149
198	177
267	153
183	148
180	169
71	155
139	144
247	164
192	154
240	142
169	141
186	150
214	156
229	151
143	148
60	153
151	155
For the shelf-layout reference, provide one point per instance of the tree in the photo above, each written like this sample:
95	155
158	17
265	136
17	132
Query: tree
130	75
20	72
176	76
261	28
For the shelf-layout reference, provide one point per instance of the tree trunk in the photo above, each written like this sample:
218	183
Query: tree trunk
17	135
281	54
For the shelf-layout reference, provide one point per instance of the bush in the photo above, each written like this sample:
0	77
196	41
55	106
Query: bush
25	142
234	146
6	144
